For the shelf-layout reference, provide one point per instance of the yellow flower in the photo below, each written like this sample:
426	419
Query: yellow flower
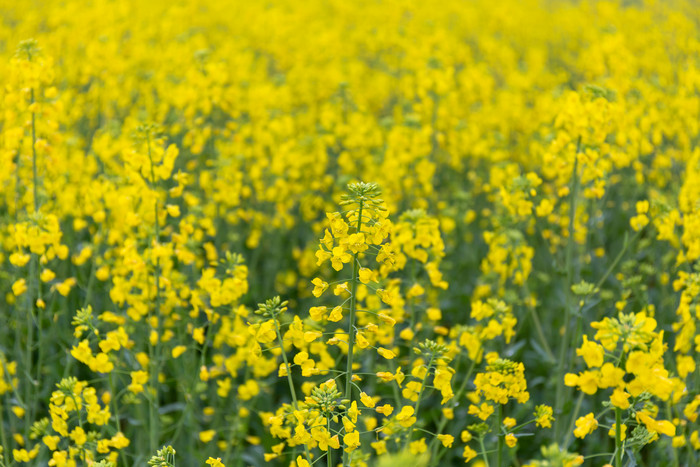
543	416
623	431
585	425
20	455
468	454
101	364
265	332
178	350
353	412
433	314
310	336
511	440
663	427
47	275
216	462
356	243
78	436
591	352
405	416
483	411
379	447
336	314
19	287
19	259
351	441
319	287
51	441
365	275
206	436
418	447
173	210
361	340
339	257
366	400
198	335
446	440
317	312
586	381
300	358
465	436
619	399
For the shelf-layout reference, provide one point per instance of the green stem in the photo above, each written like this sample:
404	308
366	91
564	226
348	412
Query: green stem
540	334
34	167
434	457
483	451
353	306
563	350
669	413
618	437
29	345
35	287
351	324
289	377
114	401
189	399
395	386
499	434
286	365
3	435
153	351
573	420
418	401
329	452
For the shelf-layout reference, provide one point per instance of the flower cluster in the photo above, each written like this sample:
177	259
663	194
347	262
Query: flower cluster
445	199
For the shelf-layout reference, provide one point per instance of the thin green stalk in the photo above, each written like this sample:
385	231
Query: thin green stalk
499	434
563	350
540	334
114	401
395	387
115	408
411	307
29	345
153	357
3	435
91	277
420	396
353	306
234	438
35	287
579	322
34	167
18	184
329	452
483	451
573	420
188	396
289	377
286	365
618	437
669	413
434	458
351	325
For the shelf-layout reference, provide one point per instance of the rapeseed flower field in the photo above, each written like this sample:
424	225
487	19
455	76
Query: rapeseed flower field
332	233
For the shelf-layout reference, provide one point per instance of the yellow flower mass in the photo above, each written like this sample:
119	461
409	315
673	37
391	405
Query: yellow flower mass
502	197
